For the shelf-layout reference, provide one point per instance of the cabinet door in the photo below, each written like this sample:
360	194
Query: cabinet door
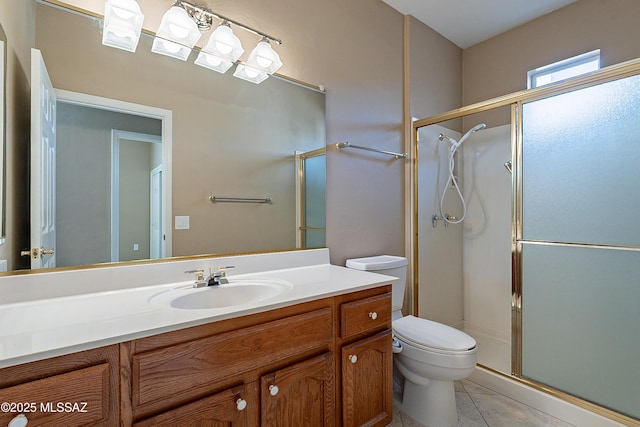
79	389
367	381
229	408
300	395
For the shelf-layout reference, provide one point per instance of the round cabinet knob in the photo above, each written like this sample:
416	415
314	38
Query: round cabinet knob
373	315
273	389
18	421
241	404
353	358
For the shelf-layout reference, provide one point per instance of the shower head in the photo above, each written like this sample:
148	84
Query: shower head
476	128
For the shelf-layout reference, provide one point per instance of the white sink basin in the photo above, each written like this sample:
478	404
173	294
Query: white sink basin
234	293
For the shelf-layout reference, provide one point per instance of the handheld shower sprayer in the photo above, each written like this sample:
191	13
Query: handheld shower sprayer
453	181
476	128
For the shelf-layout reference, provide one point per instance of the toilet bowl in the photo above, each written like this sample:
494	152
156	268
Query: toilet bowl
429	356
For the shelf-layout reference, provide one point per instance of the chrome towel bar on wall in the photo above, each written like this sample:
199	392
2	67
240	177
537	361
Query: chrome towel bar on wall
217	199
341	145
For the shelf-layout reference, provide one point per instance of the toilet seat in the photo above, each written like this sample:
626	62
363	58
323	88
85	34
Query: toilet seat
423	333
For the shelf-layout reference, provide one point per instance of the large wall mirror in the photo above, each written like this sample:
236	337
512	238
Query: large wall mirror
228	138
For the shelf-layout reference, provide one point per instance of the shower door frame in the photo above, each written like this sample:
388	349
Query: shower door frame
515	102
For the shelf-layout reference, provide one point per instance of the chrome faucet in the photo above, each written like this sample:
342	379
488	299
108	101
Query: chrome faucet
217	278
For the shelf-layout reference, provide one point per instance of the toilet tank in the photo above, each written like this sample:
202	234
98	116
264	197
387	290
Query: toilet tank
388	265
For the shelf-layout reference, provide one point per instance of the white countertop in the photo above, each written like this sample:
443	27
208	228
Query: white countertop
33	329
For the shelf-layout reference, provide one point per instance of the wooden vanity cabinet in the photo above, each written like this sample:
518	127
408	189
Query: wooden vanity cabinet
281	353
322	363
76	389
366	359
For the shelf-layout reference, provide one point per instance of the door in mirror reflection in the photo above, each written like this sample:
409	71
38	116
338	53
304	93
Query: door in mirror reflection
43	166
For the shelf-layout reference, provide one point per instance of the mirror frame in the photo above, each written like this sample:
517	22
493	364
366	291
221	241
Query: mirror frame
3	134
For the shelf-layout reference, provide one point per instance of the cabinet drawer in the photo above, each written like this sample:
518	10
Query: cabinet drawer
229	408
193	367
367	314
79	397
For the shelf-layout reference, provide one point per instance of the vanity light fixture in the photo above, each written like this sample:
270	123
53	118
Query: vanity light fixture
264	58
222	49
181	28
122	24
177	35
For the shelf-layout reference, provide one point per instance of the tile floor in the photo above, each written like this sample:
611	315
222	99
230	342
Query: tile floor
480	407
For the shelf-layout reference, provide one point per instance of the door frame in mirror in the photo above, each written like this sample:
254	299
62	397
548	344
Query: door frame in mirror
165	116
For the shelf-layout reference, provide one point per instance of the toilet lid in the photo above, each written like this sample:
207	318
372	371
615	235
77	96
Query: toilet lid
431	334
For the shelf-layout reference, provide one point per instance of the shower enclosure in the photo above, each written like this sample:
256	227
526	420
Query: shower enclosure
544	272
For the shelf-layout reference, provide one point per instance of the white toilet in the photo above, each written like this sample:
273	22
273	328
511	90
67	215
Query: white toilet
429	356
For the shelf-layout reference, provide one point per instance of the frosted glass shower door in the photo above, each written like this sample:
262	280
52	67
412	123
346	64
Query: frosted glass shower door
580	241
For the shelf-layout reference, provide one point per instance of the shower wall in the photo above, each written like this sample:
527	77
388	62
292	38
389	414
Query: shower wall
486	245
440	294
464	270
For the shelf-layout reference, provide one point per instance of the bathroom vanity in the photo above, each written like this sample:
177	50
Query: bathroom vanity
318	354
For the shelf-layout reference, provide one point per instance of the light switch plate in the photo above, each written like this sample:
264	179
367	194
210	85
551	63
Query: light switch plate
182	222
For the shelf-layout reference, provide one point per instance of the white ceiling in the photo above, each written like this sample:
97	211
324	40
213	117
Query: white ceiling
467	22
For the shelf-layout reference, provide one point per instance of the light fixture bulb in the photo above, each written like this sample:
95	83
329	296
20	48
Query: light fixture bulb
123	13
178	31
264	62
122	24
224	44
223	47
250	74
171	46
177	35
264	58
214	61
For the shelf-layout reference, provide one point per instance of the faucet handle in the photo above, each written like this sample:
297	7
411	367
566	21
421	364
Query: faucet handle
200	280
223	270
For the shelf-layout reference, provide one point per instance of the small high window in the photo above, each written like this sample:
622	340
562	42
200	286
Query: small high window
564	69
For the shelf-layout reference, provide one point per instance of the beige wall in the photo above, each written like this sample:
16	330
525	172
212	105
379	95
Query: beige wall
499	65
435	75
436	71
20	37
135	197
83	178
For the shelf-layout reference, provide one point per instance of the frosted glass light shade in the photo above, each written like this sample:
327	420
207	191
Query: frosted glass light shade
224	44
264	58
177	35
122	24
213	62
250	74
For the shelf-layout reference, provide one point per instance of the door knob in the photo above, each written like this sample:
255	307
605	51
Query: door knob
273	389
241	404
18	421
353	358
